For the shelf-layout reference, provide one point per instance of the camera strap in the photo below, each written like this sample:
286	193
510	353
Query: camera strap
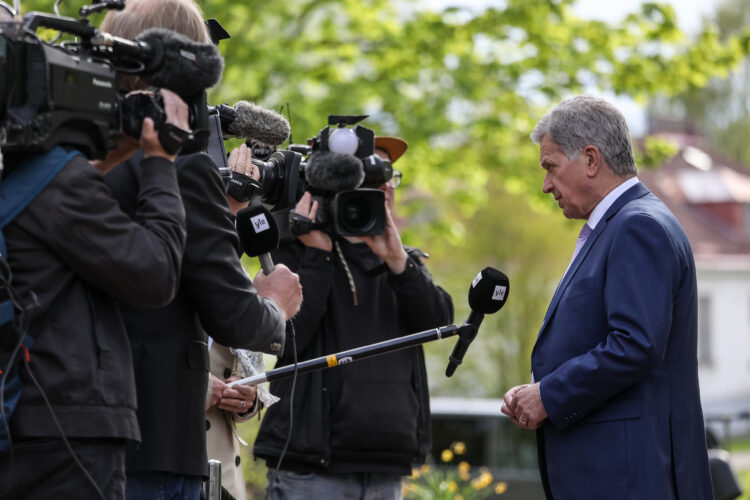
16	192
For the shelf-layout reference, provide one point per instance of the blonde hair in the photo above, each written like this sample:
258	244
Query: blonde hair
183	16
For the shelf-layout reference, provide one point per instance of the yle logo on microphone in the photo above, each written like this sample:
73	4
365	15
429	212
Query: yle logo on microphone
499	293
260	223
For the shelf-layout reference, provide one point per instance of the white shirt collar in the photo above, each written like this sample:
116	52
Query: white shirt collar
607	201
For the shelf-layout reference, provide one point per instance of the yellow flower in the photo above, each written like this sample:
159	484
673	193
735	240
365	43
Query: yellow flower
458	497
459	448
452	486
481	482
425	469
464	466
501	487
464	475
415	474
446	456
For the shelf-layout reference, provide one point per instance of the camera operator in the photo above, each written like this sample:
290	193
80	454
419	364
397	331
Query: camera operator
71	253
215	297
359	428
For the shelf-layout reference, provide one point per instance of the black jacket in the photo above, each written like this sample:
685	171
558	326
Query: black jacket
372	415
75	249
170	349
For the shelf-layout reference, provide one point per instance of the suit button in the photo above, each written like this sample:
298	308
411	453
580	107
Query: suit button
227	373
208	425
237	461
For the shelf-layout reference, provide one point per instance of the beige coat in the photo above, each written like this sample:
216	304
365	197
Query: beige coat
222	441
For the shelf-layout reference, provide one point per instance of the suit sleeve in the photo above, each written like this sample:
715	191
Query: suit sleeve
229	307
643	272
422	304
138	263
315	270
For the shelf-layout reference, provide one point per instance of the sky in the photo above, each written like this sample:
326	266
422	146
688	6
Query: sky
690	14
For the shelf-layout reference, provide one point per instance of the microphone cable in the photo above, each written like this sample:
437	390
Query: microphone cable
291	412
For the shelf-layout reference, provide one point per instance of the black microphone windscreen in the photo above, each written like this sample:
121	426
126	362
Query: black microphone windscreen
334	172
259	124
488	291
257	230
180	64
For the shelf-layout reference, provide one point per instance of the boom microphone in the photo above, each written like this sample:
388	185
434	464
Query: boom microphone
250	121
488	293
176	62
259	234
334	172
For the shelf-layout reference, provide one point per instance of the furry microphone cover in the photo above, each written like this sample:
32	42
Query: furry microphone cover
179	64
334	172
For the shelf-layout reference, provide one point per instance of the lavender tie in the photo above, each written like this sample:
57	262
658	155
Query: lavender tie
582	237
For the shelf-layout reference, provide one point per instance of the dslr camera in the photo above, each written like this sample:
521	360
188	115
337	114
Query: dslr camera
341	171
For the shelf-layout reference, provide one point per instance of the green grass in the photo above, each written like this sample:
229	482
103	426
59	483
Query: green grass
739	444
744	478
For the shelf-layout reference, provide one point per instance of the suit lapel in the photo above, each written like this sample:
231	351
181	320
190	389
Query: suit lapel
635	192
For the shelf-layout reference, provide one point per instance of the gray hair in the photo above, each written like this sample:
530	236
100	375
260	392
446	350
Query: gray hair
589	121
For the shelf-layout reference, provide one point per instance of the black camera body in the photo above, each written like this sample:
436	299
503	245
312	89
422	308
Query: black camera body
137	106
68	94
48	97
341	172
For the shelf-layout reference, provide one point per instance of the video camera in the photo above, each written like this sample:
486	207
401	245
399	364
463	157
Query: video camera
341	171
67	94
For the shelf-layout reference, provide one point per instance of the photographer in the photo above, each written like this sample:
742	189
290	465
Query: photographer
358	428
215	297
71	253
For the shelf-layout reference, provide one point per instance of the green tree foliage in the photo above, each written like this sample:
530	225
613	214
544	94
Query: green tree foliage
465	88
722	108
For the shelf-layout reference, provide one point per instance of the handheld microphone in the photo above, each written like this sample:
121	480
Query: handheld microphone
334	172
488	293
259	234
170	60
250	121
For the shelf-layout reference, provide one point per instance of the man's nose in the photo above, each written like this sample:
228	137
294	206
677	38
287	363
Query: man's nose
547	184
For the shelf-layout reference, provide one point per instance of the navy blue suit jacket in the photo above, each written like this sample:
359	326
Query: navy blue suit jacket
616	358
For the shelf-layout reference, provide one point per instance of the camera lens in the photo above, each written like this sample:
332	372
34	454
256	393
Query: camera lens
359	212
356	214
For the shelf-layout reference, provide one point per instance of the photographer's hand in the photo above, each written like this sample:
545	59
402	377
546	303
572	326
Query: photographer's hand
315	239
240	160
177	114
388	245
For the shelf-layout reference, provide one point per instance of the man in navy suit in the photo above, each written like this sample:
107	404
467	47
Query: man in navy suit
614	393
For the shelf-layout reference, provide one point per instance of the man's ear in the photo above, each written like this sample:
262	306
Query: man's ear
594	160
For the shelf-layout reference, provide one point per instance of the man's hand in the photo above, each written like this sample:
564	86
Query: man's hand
388	245
283	286
240	160
177	114
523	404
238	398
315	239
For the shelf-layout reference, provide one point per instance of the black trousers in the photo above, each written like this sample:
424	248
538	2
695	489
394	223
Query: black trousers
44	468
